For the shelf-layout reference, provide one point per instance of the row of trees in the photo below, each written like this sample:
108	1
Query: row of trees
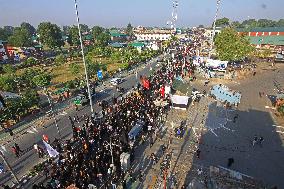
51	34
29	79
250	23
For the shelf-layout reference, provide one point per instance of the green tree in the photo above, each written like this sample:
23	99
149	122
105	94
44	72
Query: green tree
280	23
129	29
7	83
42	80
50	35
18	107
31	61
65	29
74	69
266	23
92	69
124	66
26	78
223	22
266	53
30	99
98	51
107	51
116	55
20	38
29	28
236	24
103	39
9	69
231	46
280	109
84	28
173	38
251	23
5	33
73	34
60	59
96	31
103	67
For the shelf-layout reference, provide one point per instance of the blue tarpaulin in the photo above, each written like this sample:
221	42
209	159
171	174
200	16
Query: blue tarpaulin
136	130
224	94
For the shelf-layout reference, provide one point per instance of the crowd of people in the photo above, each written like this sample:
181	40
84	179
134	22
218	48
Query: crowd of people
92	156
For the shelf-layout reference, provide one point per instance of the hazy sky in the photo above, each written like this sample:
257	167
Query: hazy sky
118	13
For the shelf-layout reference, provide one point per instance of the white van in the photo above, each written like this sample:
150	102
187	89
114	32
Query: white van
115	81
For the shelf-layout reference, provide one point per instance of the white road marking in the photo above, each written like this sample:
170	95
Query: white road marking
278	126
268	107
63	113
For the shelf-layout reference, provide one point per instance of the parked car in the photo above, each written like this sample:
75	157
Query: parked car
116	81
81	99
279	58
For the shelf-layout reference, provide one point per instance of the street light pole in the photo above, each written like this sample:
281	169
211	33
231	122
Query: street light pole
83	55
9	167
214	28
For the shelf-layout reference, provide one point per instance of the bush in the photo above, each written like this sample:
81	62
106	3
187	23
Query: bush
124	66
31	61
281	110
71	84
60	59
7	83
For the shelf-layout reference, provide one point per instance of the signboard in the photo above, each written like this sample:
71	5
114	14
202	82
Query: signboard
100	74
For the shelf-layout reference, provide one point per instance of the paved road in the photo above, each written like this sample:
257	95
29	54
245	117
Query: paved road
23	164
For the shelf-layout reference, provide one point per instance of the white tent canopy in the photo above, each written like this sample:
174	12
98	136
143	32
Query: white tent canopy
179	102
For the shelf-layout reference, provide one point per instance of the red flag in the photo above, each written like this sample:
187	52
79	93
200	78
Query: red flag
45	138
146	83
162	91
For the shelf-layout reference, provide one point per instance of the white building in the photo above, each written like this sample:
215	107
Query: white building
153	45
209	32
153	35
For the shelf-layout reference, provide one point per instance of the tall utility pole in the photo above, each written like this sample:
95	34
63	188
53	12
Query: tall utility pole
9	168
174	17
214	28
83	55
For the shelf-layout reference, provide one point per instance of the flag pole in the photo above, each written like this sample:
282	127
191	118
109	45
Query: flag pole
214	28
83	55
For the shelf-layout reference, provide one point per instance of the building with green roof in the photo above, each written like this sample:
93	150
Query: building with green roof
264	36
259	29
136	44
117	36
267	40
118	45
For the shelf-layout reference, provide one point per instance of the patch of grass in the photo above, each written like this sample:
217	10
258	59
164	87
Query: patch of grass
62	74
